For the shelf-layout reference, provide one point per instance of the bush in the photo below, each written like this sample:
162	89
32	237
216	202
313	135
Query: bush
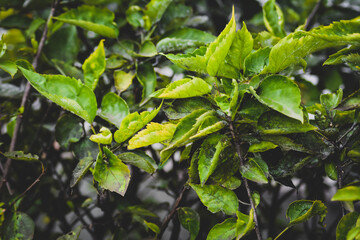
161	129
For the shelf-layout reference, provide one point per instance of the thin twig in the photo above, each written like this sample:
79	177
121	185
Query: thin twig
31	186
171	213
25	97
310	19
239	153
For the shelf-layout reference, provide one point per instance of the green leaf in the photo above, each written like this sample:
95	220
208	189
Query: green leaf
182	107
184	38
123	80
67	69
344	55
73	235
147	49
153	133
331	171
302	210
98	20
187	127
256	61
134	16
63	45
155	9
291	49
68	130
252	109
346	223
20	226
255	170
113	109
261	146
104	137
8	67
244	223
86	151
217	50
133	123
241	47
194	61
3	46
94	66
209	125
274	19
223	231
331	100
350	193
232	183
139	159
190	220
152	226
20	155
354	233
281	94
146	75
111	174
184	88
217	198
209	156
275	123
351	102
69	93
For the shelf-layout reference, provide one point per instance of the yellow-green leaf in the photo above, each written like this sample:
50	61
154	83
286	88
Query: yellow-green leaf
104	137
153	133
94	66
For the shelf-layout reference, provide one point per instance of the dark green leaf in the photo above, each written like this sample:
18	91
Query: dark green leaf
98	20
63	45
113	109
68	130
184	38
146	75
346	223
302	210
351	102
140	160
155	9
21	226
20	155
190	220
209	156
275	123
73	235
183	107
255	170
217	198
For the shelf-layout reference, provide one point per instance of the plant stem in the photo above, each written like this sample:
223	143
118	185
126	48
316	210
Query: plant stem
25	97
171	213
239	153
310	19
282	232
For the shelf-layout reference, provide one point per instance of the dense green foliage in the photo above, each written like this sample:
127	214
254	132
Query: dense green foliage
226	120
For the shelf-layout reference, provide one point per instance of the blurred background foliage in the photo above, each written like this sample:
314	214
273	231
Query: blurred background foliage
60	139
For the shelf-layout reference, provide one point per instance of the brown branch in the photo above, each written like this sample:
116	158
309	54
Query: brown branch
311	17
246	183
31	186
171	213
25	97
